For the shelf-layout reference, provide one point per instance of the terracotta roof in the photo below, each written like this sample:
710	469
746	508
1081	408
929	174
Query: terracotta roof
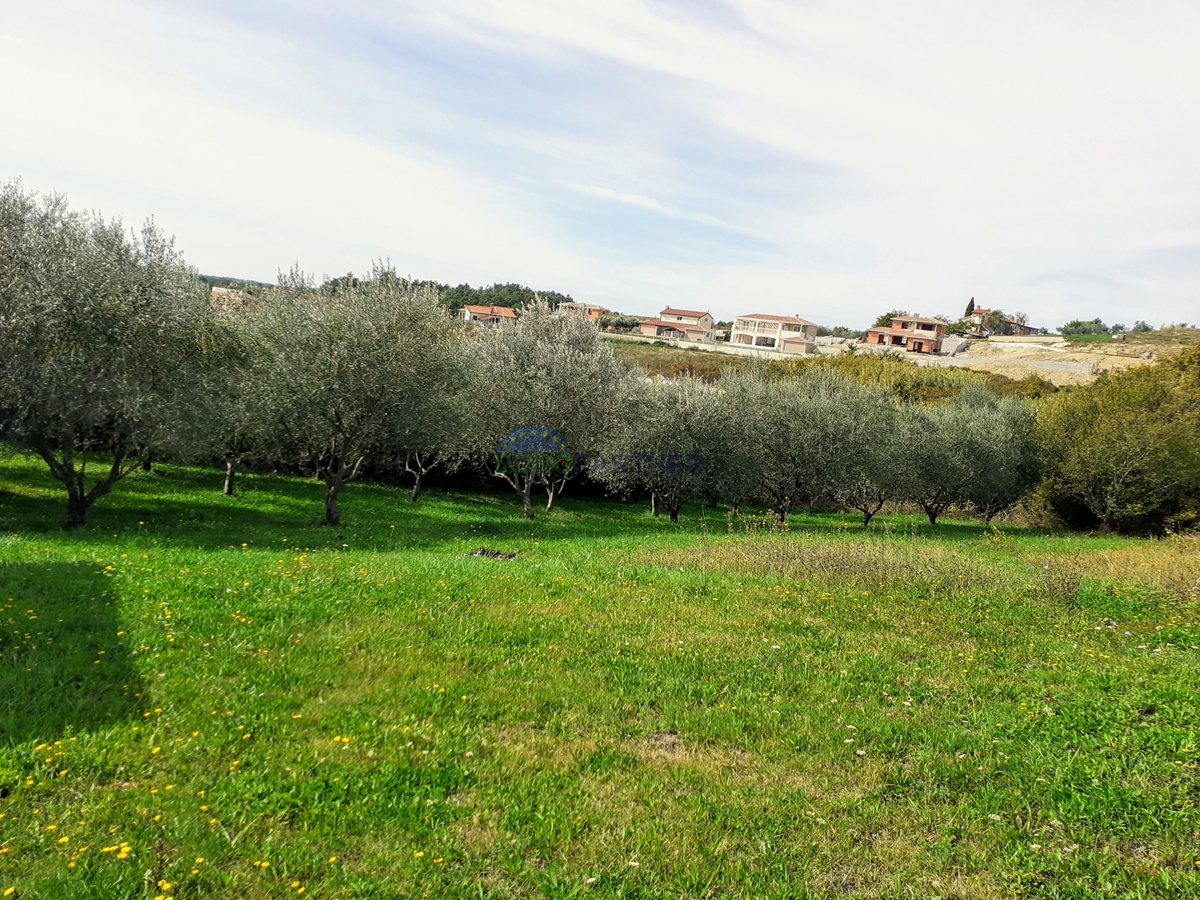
918	319
794	320
682	312
795	337
505	311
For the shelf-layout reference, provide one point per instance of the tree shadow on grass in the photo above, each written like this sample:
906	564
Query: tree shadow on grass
63	666
183	506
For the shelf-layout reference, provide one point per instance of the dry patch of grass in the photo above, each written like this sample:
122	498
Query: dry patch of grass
1172	565
863	562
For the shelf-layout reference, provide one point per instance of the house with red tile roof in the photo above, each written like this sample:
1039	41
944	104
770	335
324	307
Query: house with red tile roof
911	334
680	324
989	321
590	310
789	334
488	316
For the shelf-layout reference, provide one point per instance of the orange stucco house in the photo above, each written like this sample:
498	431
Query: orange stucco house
911	334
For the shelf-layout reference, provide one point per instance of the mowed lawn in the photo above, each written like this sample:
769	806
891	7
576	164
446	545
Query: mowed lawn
211	697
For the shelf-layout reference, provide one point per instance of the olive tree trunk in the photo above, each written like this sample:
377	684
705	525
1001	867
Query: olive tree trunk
336	473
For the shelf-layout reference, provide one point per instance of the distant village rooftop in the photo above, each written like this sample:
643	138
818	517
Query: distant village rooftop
505	311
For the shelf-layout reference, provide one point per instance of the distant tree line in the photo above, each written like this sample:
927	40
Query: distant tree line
245	284
516	296
1092	326
112	355
1097	327
841	331
624	323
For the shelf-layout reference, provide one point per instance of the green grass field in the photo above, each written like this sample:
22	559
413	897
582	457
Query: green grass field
211	697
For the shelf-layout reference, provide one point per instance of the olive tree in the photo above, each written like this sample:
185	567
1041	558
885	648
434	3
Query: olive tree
1003	449
550	371
881	471
678	439
809	433
975	451
942	465
349	375
109	351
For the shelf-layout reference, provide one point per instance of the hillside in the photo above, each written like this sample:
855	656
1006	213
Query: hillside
1084	357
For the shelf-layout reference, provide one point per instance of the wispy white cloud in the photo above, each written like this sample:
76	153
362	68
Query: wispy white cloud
827	159
649	203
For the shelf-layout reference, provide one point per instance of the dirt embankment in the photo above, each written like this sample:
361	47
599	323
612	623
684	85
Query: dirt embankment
1072	362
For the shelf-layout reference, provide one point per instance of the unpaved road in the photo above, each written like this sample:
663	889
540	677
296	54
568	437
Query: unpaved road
1076	363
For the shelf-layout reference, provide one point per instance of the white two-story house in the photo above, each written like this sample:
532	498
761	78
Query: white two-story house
790	334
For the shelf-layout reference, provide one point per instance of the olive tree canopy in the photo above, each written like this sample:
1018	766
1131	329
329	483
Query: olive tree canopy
1124	452
810	433
351	375
109	351
977	450
678	439
552	371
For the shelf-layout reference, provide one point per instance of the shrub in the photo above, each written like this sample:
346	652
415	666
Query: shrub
1123	453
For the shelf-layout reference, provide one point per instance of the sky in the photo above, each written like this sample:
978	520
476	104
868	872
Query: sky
833	160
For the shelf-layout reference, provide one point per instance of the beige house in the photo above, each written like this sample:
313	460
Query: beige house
790	334
988	321
680	324
590	310
488	316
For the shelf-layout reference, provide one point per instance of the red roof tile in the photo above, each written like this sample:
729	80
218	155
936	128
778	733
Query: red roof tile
505	311
682	312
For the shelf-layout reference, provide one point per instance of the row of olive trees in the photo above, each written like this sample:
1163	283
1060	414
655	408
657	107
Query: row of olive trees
112	354
110	349
818	436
